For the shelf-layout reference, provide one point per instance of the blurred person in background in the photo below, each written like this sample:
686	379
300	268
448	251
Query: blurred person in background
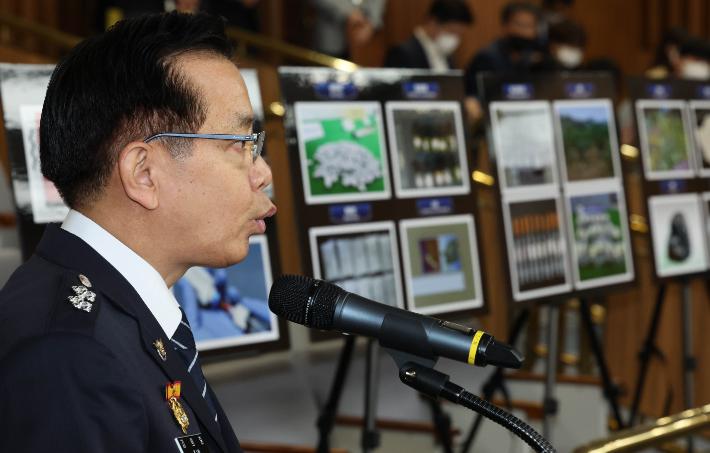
552	12
515	51
243	14
694	60
434	41
668	53
239	13
336	19
567	41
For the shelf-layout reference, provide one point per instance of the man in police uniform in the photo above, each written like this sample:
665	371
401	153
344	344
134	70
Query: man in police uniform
95	353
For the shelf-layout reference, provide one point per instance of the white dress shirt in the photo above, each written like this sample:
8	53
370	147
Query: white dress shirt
142	276
437	60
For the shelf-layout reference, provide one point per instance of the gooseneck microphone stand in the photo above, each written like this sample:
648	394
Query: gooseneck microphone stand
496	381
417	373
416	369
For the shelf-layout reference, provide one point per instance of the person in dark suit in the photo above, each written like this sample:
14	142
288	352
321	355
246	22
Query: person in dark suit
433	42
515	51
95	353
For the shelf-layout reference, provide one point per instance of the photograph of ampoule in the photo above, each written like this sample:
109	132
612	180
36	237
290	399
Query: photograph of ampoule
362	259
342	151
428	148
536	249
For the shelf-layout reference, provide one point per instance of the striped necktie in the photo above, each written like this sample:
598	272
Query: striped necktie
184	343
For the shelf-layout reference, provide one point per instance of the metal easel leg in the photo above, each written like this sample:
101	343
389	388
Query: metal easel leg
549	405
610	390
689	362
649	349
326	420
370	435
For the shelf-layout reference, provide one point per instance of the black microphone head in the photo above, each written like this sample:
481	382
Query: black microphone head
304	300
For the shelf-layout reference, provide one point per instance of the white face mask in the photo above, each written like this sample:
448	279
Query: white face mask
695	70
447	42
570	57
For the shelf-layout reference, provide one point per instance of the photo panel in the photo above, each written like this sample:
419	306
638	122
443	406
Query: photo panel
441	264
362	259
23	87
599	237
342	150
229	307
587	140
524	144
537	255
705	197
664	134
427	148
678	232
700	125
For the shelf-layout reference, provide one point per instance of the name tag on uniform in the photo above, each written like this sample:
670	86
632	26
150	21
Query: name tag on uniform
192	444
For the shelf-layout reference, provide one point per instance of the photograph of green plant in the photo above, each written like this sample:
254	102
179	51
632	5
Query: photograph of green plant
586	141
667	146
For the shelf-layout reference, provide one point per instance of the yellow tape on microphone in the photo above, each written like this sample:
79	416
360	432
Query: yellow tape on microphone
474	347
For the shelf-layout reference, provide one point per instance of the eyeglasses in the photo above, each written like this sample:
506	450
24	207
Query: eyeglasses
256	148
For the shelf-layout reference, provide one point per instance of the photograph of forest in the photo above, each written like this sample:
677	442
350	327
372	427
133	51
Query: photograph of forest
586	142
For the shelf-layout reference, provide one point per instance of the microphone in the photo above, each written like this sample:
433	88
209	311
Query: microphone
324	306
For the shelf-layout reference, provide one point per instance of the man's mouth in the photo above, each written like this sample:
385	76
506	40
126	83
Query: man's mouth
260	220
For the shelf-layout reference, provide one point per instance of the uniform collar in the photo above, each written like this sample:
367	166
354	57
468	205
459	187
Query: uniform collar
147	282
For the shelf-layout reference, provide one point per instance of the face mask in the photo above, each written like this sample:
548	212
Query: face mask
569	57
520	44
447	42
695	70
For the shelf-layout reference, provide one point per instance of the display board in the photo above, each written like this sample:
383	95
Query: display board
382	186
673	136
554	149
227	308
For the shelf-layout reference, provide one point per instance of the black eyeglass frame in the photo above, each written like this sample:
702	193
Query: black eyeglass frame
257	138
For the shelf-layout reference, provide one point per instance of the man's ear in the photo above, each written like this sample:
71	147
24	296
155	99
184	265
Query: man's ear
139	172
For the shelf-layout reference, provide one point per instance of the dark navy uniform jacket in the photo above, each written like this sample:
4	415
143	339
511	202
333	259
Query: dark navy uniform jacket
410	54
77	381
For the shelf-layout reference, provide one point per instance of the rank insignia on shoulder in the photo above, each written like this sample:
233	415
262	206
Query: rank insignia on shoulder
158	345
84	298
172	395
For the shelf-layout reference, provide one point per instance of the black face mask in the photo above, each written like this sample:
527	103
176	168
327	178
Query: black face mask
520	44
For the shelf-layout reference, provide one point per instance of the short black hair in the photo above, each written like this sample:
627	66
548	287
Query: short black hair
696	47
445	11
567	32
513	8
119	86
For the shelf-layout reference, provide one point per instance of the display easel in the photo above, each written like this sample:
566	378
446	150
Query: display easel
392	92
370	438
503	94
650	349
689	100
550	404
